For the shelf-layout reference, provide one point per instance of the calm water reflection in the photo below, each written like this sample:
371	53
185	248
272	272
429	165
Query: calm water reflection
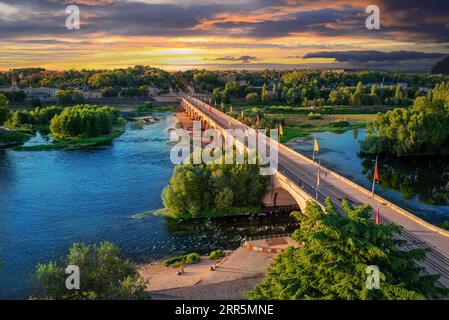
419	184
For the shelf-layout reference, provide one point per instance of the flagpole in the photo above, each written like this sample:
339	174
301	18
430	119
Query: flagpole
374	177
318	179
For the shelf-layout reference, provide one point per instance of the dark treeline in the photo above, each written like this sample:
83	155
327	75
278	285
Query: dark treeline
134	77
422	129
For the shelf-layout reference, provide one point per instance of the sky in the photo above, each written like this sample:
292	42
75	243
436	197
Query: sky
224	34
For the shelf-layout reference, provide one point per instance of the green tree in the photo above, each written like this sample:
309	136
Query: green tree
4	110
252	98
266	97
224	199
216	95
335	251
103	275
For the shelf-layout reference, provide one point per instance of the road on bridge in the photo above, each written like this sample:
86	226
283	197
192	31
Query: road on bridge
303	172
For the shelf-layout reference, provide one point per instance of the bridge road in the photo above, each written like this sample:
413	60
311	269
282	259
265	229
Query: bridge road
303	172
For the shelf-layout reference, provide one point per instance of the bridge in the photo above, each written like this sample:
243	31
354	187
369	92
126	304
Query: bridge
295	184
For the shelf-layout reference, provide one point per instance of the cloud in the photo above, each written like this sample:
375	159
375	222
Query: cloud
376	56
245	59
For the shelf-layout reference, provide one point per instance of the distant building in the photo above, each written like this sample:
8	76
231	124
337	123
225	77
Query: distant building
41	93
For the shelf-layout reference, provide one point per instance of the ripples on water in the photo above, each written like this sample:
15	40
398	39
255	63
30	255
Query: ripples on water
50	199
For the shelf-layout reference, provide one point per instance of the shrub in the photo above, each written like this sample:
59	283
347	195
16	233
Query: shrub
315	116
216	254
190	258
340	123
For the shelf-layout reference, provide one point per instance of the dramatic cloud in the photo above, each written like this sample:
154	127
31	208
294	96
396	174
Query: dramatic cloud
190	33
366	56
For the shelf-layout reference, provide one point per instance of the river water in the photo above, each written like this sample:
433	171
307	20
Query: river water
48	200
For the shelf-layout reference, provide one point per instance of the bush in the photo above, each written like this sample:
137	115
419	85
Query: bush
252	98
340	123
315	116
445	225
216	254
191	258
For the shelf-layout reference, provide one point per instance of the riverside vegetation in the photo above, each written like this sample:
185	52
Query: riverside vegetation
335	251
71	127
213	190
420	130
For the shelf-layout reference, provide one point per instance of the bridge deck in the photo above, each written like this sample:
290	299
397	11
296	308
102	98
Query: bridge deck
303	172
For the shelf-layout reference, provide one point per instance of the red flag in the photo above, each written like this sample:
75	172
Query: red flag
376	173
210	109
378	215
258	120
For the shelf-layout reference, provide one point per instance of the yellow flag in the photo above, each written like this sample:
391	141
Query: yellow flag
281	131
231	109
316	147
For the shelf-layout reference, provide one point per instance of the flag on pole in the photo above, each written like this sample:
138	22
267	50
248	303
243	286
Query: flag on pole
258	120
376	172
281	131
222	105
242	113
210	109
316	147
231	109
229	122
375	177
378	215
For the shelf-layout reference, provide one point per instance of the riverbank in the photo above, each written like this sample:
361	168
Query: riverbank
297	126
11	138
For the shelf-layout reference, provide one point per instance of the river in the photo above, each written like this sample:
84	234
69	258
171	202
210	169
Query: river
49	200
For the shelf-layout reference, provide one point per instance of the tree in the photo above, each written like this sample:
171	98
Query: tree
103	275
197	191
420	130
252	98
266	97
224	199
334	254
216	95
4	110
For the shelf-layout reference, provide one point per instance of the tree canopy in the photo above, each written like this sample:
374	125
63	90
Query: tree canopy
103	275
196	191
334	253
422	129
4	111
84	121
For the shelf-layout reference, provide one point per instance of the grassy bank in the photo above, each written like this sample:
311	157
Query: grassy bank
302	125
75	143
